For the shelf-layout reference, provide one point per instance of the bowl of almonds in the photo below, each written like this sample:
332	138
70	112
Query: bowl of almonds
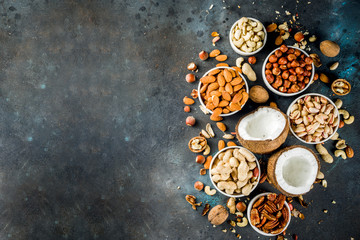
314	118
269	214
223	91
235	171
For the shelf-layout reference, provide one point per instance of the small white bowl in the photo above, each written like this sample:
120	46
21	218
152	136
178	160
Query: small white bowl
251	203
319	95
223	114
278	92
237	50
222	192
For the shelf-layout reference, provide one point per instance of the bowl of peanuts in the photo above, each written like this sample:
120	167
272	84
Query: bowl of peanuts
288	71
247	36
223	91
313	118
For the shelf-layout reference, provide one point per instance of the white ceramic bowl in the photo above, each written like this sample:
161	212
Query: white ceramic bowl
237	50
319	95
278	92
222	192
223	114
251	203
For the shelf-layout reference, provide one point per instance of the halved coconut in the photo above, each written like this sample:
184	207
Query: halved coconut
263	130
293	170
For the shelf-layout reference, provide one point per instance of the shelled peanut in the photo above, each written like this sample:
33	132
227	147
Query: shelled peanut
223	91
288	70
313	118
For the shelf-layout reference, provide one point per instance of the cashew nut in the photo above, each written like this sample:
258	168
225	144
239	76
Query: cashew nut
345	113
231	205
208	191
253	23
251	44
239	61
261	34
207	150
258	45
243	222
229	187
340	153
350	120
216	178
243	20
258	27
237	34
239	43
244	48
338	103
249	28
256	38
247	36
340	144
240	184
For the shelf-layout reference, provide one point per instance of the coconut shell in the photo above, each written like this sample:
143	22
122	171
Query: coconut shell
272	163
266	146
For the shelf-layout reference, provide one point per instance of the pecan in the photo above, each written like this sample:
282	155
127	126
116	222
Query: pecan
191	199
280	201
206	209
254	217
271	224
279	214
285	214
259	201
263	221
270	207
277	231
261	207
272	196
269	216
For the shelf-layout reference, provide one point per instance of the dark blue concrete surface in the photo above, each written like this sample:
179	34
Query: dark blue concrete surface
92	134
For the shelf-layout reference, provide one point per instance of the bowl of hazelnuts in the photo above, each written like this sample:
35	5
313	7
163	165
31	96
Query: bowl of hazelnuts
288	71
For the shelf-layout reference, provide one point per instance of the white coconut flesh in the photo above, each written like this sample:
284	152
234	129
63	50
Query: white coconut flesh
296	170
263	124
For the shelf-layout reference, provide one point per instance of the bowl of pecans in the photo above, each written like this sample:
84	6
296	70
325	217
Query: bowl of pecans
269	214
288	71
223	91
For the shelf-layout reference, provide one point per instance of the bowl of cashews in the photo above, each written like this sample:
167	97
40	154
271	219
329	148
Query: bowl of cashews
247	36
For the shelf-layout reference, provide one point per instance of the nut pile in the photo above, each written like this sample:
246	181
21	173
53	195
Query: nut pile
248	35
288	70
269	214
313	118
223	91
235	171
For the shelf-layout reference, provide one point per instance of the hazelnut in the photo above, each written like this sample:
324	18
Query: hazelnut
308	60
283	60
299	70
268	65
299	36
275	65
290	50
267	72
190	121
252	60
292	78
283	67
241	206
341	124
200	159
316	76
294	64
186	109
198	185
276	71
300	77
190	78
291	57
285	74
270	78
203	55
283	48
272	58
202	171
297	52
278	53
191	66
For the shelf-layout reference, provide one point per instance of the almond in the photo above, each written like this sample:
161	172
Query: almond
236	81
223	103
222	65
278	40
215	100
238	87
226	111
216	118
245	97
221	80
210	106
203	88
237	70
227	75
215	93
188	101
226	96
271	27
214	72
221	126
349	152
231	144
234	106
233	74
217	112
213	86
208	79
324	78
237	97
221	58
214	53
207	162
221	144
229	88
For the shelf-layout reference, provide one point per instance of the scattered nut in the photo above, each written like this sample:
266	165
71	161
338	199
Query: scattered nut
191	66
207	150
345	113
228	136
312	38
324	78
258	94
299	36
324	183
210	130
214	53
204	134
241	206
316	60
340	153
203	55
334	66
324	153
202	171
341	124
349	152
206	209
207	162
243	223
190	78
209	192
338	103
190	121
221	126
272	27
239	61
204	110
215	39
221	58
200	159
340	144
249	72
231	205
273	104
329	48
186	109
252	60
198	185
320	175
191	199
218	215
221	145
194	93
188	101
341	87
197	144
335	136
